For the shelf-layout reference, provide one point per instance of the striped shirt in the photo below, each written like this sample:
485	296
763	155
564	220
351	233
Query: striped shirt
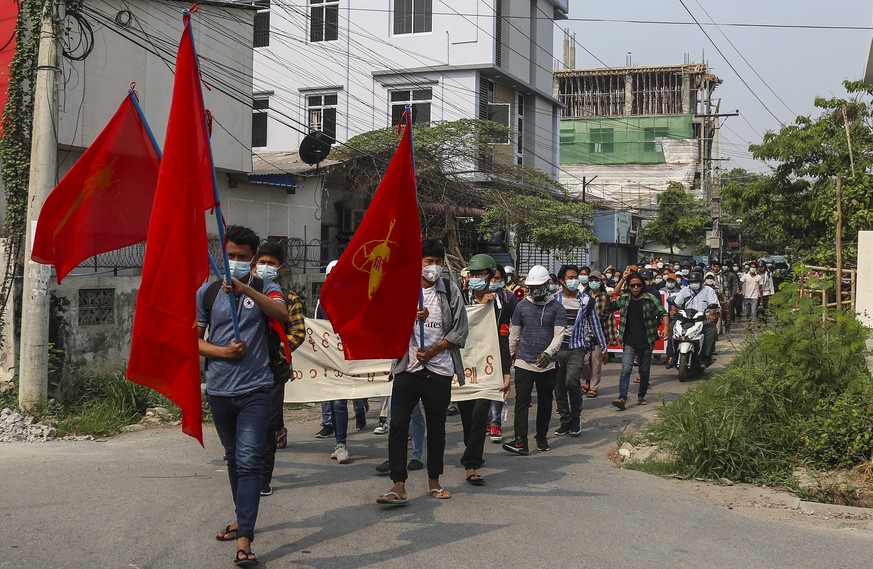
587	331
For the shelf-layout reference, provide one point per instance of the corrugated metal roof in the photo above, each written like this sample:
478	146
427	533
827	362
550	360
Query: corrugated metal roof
284	162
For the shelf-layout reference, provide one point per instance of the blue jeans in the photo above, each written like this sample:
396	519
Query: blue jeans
494	414
416	429
340	419
241	422
327	413
627	366
360	406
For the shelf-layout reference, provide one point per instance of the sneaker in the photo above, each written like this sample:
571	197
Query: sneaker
325	432
517	446
543	444
266	489
562	430
381	428
414	464
383	468
576	429
360	421
340	453
496	434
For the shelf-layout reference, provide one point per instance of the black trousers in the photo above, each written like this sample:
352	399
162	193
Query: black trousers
474	418
435	393
277	422
525	381
710	335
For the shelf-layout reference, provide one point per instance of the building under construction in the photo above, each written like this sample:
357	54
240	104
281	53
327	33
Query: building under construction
626	133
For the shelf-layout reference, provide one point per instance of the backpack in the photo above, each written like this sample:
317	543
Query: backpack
278	350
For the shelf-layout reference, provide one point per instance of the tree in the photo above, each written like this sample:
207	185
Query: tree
464	171
680	220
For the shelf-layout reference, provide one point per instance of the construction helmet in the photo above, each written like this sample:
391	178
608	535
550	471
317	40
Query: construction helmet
537	275
481	262
509	270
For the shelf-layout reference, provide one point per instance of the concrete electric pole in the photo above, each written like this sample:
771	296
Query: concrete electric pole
33	378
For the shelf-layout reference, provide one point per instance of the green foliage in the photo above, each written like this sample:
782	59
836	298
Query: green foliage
789	397
656	466
680	220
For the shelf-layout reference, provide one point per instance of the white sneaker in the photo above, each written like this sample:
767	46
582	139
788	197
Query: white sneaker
341	454
381	428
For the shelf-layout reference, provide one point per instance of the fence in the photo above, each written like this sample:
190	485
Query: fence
312	256
847	287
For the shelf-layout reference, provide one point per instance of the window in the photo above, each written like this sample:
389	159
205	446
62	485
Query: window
96	306
413	16
499	113
600	141
323	20
322	114
259	121
652	138
262	24
420	100
519	128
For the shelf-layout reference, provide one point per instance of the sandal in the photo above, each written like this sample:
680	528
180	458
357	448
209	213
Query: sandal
391	499
440	493
637	379
247	559
282	438
226	535
592	393
586	387
642	401
476	480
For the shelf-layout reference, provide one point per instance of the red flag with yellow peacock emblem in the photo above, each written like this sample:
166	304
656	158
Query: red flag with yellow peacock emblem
372	294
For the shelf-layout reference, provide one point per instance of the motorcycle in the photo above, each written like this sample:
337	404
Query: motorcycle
688	341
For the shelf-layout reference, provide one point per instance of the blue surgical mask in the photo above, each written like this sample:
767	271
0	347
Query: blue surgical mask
552	288
594	285
736	268
495	286
671	285
267	272
659	281
239	269
583	279
476	283
431	273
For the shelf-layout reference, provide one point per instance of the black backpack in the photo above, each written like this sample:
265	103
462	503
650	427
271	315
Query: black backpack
279	365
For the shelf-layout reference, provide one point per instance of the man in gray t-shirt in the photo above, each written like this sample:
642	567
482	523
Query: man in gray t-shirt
239	381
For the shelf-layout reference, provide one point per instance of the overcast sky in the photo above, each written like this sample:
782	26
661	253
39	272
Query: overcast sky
798	64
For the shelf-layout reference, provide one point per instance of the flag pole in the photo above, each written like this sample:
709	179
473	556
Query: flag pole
145	124
219	217
408	115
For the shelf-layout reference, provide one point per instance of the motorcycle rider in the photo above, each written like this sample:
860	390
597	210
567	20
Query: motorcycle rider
702	298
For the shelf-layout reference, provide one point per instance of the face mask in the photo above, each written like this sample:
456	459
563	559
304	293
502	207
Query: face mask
267	272
694	286
431	273
671	285
736	268
685	272
752	271
539	295
553	288
494	287
239	269
608	276
676	267
660	265
710	282
594	285
659	281
583	279
477	284
572	284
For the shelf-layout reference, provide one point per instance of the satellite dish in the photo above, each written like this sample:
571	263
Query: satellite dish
315	147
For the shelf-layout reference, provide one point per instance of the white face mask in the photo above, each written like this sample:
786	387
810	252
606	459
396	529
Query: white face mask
752	271
685	272
608	276
431	273
659	281
583	279
709	282
267	272
239	269
671	285
694	286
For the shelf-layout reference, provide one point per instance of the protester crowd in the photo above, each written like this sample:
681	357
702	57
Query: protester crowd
554	333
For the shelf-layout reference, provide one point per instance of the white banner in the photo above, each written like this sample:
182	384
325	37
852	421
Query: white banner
321	373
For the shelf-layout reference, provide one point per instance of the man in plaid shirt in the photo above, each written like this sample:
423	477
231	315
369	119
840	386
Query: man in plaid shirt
640	316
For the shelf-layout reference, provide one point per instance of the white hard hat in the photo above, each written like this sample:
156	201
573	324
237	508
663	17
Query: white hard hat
509	270
329	267
537	275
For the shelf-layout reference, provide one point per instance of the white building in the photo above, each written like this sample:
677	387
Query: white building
346	68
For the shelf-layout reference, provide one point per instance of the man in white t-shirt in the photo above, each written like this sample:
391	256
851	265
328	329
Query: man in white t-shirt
753	291
425	374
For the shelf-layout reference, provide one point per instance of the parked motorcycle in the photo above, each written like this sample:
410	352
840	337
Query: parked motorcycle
688	341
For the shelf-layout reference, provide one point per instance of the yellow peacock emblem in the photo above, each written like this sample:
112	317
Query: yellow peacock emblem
372	257
102	183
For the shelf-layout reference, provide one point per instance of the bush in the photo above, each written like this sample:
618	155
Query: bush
840	432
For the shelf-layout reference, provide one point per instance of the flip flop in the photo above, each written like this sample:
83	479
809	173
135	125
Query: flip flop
246	560
391	499
225	537
282	438
592	393
476	480
440	493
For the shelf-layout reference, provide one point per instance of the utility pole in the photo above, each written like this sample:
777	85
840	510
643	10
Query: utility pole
585	182
33	387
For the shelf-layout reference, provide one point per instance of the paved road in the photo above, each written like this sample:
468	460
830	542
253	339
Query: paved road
155	499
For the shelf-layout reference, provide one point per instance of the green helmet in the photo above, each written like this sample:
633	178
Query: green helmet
481	262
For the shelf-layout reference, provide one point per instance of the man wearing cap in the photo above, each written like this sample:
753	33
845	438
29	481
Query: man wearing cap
701	298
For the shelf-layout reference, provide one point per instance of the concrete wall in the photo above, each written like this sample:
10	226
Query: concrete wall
223	38
864	300
272	212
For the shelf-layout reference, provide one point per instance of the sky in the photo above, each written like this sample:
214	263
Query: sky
797	64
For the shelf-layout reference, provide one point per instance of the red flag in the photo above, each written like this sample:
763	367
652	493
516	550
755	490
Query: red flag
164	352
105	200
372	294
